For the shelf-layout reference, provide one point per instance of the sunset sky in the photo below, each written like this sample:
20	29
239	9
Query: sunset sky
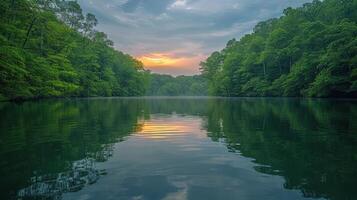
173	36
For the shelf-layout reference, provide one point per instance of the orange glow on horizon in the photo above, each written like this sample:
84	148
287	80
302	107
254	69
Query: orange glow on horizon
159	60
170	63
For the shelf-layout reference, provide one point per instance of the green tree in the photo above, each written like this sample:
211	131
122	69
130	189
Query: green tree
310	51
49	49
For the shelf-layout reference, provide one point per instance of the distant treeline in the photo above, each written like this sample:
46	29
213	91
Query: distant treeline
166	85
49	48
310	51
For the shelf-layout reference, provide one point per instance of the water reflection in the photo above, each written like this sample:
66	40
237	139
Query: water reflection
44	143
187	148
52	186
169	127
311	143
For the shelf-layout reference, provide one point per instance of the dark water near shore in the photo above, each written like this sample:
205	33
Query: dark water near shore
179	148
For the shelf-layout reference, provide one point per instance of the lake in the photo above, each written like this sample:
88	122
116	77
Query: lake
179	148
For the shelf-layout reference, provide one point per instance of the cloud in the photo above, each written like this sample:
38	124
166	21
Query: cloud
146	6
130	6
187	29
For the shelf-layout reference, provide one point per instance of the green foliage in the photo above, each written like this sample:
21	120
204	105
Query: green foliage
166	85
50	49
310	51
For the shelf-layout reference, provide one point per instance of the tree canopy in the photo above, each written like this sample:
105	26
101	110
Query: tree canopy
309	51
50	48
166	85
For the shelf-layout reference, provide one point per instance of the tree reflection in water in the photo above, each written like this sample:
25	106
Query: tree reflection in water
82	172
51	186
52	147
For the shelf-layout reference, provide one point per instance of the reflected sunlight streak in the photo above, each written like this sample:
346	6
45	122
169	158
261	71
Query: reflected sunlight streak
165	129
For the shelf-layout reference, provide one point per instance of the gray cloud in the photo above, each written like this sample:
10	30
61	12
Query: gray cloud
151	6
186	28
130	6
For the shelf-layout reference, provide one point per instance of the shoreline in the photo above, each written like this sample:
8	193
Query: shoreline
35	99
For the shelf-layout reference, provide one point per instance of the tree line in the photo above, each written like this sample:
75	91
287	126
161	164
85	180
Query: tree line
50	48
166	85
310	51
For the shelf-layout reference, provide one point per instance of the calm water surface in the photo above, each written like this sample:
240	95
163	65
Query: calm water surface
179	148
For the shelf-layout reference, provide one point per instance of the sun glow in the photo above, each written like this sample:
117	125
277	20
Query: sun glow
174	63
159	60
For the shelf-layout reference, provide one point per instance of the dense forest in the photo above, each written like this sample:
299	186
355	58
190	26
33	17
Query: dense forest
166	85
310	51
50	48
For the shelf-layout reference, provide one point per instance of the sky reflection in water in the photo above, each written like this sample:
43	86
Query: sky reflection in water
185	148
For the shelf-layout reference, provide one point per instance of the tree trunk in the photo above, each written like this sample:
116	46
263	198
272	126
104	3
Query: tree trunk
11	17
29	31
41	45
13	8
